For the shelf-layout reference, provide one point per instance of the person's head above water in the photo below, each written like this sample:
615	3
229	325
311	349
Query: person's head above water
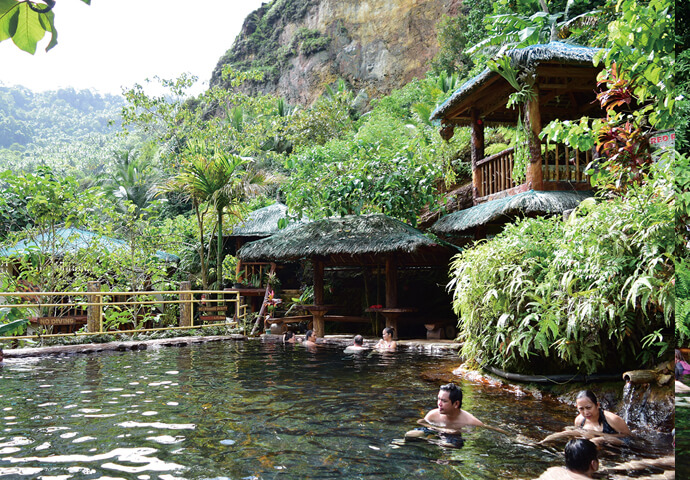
679	356
454	394
581	456
358	340
388	331
310	336
587	394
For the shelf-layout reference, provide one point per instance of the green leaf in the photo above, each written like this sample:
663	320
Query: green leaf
28	28
13	327
48	23
8	13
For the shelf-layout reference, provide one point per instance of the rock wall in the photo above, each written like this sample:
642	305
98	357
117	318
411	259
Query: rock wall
374	45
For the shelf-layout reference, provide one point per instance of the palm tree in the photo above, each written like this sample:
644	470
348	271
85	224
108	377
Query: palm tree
209	177
133	178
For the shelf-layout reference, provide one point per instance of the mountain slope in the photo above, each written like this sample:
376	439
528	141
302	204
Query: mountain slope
304	45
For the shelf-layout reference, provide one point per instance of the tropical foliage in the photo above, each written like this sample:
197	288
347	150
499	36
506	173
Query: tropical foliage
593	293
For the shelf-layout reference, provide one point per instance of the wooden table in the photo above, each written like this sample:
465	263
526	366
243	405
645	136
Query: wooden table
391	315
318	313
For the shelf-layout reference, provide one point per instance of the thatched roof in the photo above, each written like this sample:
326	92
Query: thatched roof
71	240
567	70
353	239
261	223
529	203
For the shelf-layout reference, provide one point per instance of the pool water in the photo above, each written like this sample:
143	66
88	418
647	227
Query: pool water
252	410
683	432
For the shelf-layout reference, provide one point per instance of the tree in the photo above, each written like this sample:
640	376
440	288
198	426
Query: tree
133	179
26	22
210	177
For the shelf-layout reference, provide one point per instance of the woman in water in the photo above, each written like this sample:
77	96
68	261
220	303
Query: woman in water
592	417
386	342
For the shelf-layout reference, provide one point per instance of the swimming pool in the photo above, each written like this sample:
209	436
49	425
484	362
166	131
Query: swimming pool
251	410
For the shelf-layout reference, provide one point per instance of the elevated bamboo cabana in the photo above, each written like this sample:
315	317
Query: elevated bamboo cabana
564	81
363	240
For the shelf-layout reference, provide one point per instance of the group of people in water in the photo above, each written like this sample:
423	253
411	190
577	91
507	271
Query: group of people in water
387	343
593	427
447	421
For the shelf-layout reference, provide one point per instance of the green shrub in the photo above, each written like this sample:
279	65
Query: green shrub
592	294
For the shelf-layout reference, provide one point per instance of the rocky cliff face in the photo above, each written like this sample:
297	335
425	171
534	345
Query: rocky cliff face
304	45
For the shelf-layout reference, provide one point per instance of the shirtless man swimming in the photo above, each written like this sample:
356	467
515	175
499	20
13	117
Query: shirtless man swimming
449	417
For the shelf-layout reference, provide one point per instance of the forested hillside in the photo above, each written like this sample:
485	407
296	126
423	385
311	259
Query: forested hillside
61	127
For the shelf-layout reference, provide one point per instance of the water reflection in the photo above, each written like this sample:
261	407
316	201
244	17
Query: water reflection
246	410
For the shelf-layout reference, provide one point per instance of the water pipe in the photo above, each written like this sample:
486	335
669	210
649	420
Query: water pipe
561	378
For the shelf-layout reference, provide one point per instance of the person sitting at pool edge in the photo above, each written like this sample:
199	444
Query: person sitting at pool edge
386	342
592	417
309	339
580	461
449	417
357	345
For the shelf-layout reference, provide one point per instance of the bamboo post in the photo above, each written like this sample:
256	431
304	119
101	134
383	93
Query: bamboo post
94	312
185	304
534	172
477	151
319	323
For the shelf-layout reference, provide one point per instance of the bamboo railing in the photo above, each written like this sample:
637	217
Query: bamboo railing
86	310
495	173
560	163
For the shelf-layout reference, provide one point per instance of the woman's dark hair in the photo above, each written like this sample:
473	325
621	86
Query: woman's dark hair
388	330
579	455
589	394
679	356
288	336
454	393
308	334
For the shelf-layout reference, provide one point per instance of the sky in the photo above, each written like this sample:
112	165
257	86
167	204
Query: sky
112	44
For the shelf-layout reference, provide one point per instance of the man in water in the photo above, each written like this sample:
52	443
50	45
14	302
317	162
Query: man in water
357	345
447	419
580	462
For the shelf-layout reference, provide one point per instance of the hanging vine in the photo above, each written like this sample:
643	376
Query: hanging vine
523	83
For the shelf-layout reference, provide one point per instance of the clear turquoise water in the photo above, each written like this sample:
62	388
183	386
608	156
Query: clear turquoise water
247	410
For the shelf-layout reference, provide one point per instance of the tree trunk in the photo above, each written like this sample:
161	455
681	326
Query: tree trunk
219	252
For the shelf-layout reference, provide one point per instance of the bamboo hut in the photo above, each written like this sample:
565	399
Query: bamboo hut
364	240
563	79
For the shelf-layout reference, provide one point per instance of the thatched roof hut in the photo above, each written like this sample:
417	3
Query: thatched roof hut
362	240
565	75
353	239
531	203
259	224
